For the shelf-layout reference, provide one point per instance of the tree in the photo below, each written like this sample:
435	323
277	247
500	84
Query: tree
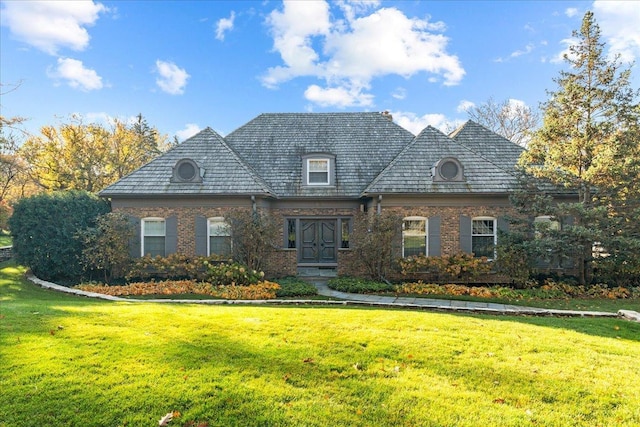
253	236
372	240
89	157
44	229
510	118
588	143
106	246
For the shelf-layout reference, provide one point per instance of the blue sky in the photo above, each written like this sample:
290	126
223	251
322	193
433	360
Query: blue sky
189	65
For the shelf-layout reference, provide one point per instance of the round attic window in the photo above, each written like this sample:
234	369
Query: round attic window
186	171
449	170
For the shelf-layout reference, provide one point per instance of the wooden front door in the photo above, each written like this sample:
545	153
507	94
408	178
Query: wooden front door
318	238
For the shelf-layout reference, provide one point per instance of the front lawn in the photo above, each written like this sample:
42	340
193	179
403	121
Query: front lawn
72	361
5	239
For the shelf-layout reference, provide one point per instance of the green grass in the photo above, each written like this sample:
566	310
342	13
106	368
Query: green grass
72	361
5	239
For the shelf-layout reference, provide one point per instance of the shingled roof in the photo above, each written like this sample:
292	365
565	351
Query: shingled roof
486	168
363	145
373	155
223	172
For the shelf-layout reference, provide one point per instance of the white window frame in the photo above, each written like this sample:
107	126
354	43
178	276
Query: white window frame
327	162
413	233
143	233
494	235
217	220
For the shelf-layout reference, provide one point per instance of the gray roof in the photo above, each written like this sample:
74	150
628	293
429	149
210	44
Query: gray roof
363	143
488	144
488	164
373	155
225	173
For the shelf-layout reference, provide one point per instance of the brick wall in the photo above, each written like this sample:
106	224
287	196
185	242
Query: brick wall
186	217
283	262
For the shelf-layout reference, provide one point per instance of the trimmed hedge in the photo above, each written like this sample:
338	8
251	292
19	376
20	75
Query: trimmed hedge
45	232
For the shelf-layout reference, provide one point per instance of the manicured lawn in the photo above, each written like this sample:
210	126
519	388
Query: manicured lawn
5	239
71	361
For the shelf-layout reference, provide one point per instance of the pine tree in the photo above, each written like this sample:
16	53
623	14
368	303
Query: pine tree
588	143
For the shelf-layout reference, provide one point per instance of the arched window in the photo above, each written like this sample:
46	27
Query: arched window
414	236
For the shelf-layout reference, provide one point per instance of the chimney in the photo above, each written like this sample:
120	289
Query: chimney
387	115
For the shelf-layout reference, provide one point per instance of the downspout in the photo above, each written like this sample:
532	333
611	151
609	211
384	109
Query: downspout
254	205
379	204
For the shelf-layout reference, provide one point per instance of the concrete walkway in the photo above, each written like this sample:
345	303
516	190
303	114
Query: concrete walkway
452	305
343	298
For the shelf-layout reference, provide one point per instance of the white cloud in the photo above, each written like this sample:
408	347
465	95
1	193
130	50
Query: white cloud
528	49
571	12
465	106
558	58
338	96
349	53
416	124
224	25
399	93
620	25
51	25
172	78
76	75
189	130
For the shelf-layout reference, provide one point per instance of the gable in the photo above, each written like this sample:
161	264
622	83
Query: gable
411	171
222	172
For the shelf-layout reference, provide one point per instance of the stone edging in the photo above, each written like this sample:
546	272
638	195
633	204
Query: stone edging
624	314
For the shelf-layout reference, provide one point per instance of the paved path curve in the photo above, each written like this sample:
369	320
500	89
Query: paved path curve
343	298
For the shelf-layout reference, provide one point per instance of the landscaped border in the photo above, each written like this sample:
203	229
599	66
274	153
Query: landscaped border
367	301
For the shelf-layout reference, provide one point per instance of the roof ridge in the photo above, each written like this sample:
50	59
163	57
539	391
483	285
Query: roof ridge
395	159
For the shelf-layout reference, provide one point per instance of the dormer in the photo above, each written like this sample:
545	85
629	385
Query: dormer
448	169
187	171
319	170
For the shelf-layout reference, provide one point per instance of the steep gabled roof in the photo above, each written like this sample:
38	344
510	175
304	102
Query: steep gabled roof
363	143
487	143
411	171
225	173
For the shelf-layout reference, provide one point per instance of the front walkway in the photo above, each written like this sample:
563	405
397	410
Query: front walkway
344	298
452	305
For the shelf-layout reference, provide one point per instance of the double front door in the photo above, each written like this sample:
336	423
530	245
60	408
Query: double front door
318	241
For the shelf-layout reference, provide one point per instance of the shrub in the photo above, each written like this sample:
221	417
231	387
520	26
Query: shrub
294	287
174	266
262	290
373	236
45	232
232	274
459	266
359	286
106	246
253	237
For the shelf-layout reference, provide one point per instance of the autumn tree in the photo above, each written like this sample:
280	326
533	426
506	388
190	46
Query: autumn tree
79	156
588	144
510	118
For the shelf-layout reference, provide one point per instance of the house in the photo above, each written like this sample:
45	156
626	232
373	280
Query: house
314	172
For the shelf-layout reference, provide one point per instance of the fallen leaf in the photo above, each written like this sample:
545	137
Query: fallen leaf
164	421
308	360
499	400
